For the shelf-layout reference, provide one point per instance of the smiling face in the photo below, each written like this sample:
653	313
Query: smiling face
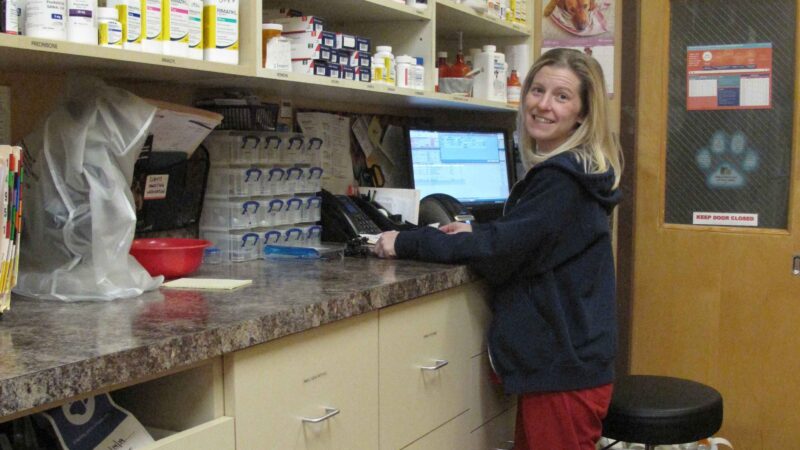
553	107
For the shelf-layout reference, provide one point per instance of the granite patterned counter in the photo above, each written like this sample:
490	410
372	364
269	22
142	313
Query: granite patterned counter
50	351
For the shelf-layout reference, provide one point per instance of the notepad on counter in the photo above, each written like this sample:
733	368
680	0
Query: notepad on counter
206	283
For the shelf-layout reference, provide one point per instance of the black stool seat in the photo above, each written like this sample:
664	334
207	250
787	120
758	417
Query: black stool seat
657	410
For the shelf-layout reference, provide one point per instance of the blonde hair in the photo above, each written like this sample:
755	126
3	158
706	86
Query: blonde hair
593	143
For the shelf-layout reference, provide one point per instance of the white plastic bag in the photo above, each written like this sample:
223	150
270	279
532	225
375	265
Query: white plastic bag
79	217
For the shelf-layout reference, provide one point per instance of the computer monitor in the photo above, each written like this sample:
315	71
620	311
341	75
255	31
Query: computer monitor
470	165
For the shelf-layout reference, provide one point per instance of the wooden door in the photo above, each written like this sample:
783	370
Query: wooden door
719	304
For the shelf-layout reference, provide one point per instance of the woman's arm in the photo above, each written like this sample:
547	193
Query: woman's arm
498	249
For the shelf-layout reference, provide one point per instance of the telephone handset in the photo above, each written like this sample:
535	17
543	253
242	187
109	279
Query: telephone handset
345	218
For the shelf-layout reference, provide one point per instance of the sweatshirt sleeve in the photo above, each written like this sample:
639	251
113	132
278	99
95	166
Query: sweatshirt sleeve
497	250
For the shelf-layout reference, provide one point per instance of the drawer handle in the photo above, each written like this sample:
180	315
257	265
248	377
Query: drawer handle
329	412
439	364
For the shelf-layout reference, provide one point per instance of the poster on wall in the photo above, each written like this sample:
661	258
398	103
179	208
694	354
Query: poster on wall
735	76
584	25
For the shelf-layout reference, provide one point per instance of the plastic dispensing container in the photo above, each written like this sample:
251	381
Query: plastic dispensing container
378	71
235	245
230	214
490	81
268	31
443	69
109	28
384	53
513	89
419	74
405	71
275	48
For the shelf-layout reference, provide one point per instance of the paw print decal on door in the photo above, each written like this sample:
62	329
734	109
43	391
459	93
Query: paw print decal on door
727	161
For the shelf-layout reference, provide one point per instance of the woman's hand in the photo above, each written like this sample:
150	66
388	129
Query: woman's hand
384	248
456	227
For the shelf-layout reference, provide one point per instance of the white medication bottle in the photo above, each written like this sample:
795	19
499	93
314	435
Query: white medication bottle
152	33
10	17
81	25
384	53
175	27
221	31
490	82
419	74
130	16
46	19
405	71
277	48
109	29
417	4
195	30
378	71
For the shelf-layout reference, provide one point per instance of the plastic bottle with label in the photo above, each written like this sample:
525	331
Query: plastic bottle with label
130	16
268	31
277	48
109	28
442	68
384	53
419	74
378	71
221	31
45	19
405	71
195	30
459	69
490	82
152	31
417	4
175	26
513	89
81	22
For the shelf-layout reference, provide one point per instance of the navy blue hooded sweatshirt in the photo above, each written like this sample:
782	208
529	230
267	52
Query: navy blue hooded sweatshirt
550	264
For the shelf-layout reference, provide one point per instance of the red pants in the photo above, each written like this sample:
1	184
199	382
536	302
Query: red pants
569	420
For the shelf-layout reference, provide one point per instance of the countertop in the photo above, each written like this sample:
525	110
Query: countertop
52	350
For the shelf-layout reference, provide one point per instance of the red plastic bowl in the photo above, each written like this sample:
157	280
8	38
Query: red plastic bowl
171	257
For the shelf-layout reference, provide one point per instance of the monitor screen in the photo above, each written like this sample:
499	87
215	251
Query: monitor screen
468	165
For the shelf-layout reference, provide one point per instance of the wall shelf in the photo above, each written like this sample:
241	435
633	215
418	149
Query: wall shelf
453	17
385	22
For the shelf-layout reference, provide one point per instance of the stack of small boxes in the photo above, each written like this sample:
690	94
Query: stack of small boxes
326	53
261	190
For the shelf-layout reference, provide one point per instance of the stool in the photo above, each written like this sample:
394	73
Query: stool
657	410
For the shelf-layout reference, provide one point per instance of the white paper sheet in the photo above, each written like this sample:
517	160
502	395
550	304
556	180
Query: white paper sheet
397	201
334	130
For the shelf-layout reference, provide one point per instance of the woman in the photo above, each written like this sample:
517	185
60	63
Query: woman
549	259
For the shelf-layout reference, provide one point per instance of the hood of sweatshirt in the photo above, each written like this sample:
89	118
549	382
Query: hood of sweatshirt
599	185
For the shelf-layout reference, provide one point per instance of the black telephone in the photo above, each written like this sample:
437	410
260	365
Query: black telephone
345	218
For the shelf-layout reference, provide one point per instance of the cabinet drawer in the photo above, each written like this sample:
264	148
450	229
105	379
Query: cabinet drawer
487	399
272	388
217	434
452	435
182	410
497	434
424	364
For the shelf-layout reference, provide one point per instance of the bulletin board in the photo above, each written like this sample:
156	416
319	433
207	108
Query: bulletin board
729	134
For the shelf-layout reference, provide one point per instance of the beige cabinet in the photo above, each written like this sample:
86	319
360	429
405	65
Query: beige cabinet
313	390
402	377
